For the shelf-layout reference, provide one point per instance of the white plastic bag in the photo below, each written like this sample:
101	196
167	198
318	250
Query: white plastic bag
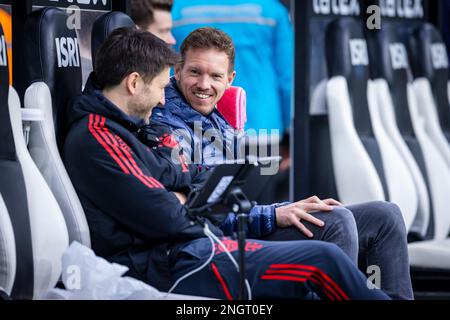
88	277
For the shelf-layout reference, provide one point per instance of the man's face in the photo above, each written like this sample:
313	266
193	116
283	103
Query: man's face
162	26
203	78
148	95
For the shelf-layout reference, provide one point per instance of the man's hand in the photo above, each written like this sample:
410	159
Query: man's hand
181	197
293	214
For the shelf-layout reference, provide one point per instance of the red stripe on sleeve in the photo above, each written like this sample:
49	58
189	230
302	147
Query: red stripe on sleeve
113	147
129	160
104	145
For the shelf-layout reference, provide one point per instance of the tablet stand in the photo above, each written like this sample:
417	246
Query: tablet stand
241	206
234	200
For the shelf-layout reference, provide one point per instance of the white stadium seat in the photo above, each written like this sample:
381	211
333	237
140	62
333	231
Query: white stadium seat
366	162
53	85
392	72
7	250
48	229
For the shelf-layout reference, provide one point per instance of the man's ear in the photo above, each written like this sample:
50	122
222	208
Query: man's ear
131	82
177	71
231	79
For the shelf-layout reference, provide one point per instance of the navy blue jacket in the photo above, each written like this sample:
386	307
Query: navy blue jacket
193	129
125	187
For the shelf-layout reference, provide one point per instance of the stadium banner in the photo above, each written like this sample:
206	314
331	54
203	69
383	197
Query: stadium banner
102	5
391	9
400	10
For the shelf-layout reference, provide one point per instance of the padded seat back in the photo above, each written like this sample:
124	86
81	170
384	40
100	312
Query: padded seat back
56	78
367	163
351	132
13	191
7	250
430	61
354	148
393	66
48	27
233	106
49	237
104	25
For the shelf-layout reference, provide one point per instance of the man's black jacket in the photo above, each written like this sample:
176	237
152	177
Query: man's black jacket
126	187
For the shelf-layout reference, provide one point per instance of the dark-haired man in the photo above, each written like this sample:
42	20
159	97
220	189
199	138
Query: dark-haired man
370	233
155	17
128	191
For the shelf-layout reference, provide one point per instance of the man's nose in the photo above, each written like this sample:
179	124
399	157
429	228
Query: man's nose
171	39
203	83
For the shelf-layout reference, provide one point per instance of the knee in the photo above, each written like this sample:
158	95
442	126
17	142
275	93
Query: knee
344	219
389	214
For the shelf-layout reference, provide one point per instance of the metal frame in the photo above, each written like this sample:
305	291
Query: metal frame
300	138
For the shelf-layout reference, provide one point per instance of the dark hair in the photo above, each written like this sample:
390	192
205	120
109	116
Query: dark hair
142	10
128	50
209	38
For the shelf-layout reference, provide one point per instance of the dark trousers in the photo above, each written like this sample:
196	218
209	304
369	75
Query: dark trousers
275	269
371	234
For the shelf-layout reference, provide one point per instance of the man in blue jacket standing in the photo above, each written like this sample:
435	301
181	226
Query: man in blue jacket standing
371	233
132	194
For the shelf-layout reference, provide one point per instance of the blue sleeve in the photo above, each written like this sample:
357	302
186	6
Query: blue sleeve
284	62
262	221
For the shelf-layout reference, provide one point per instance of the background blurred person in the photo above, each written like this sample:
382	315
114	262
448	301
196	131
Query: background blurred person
155	17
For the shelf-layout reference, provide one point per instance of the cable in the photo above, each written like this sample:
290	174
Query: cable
212	237
225	249
206	231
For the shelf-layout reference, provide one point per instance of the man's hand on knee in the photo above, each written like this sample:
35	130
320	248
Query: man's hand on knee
293	214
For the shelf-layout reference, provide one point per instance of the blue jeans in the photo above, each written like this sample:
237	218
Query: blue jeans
371	234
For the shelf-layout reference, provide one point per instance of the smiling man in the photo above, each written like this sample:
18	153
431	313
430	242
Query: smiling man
204	74
206	70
